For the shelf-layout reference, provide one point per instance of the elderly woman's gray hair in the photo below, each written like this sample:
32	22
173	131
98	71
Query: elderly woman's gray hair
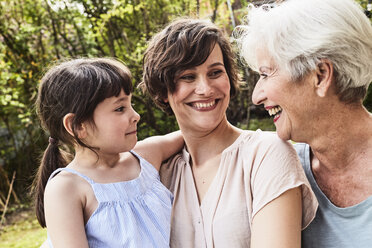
298	34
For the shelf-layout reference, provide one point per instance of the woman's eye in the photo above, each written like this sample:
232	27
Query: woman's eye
263	75
187	77
216	73
120	109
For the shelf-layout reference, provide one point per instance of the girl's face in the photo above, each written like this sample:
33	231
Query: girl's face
115	125
202	94
290	103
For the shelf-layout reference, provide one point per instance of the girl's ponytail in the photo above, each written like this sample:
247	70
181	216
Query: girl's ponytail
53	158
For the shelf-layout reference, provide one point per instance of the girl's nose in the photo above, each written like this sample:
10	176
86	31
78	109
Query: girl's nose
136	117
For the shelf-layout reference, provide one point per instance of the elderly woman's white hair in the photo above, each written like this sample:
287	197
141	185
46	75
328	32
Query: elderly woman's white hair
297	34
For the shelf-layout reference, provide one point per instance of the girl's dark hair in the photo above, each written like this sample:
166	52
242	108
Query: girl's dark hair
76	86
183	44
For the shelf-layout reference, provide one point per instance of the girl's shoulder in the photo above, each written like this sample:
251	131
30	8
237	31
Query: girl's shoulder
66	185
130	157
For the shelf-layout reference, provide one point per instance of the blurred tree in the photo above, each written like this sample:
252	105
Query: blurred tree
36	33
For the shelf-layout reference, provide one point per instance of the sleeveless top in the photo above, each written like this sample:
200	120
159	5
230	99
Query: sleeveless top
134	213
333	226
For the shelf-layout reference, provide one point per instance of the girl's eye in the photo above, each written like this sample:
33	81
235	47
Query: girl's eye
120	109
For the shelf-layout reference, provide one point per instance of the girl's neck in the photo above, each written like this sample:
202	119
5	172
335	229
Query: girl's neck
89	159
205	145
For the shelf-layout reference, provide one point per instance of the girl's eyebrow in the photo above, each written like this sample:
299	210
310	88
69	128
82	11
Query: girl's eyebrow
121	99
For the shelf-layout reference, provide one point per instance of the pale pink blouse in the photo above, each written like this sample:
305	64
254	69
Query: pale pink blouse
257	168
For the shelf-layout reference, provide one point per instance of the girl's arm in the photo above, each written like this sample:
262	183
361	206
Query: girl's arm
278	224
156	149
64	213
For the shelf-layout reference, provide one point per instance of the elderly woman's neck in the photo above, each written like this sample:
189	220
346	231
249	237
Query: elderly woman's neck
203	146
343	137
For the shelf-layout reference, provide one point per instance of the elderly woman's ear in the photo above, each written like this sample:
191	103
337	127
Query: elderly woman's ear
324	72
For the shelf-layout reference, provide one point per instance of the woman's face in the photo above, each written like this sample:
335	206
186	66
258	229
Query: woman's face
202	94
289	102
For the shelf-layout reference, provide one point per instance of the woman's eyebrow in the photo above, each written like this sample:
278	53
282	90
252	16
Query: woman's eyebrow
215	64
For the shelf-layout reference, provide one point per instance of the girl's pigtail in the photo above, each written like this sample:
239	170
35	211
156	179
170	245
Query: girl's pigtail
53	158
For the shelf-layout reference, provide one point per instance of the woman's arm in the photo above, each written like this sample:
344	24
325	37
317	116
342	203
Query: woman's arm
64	213
156	149
278	224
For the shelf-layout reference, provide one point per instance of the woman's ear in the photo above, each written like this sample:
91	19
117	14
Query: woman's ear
324	72
67	123
165	100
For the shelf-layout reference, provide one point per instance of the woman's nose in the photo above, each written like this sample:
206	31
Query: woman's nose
203	87
258	96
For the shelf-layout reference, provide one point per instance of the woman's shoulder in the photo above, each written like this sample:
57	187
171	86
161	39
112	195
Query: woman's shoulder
265	140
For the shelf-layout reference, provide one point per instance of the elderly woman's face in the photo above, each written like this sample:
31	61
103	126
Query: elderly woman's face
202	94
288	102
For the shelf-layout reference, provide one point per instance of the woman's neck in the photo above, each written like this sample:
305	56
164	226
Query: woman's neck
343	137
204	145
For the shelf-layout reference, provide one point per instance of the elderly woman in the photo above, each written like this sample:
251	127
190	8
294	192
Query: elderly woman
315	62
232	188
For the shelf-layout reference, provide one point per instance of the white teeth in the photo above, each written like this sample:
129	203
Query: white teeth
204	105
274	111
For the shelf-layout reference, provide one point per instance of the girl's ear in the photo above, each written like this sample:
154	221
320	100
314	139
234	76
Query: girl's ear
67	123
165	100
324	72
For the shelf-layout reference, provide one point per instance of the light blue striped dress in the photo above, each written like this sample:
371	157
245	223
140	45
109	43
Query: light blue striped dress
133	213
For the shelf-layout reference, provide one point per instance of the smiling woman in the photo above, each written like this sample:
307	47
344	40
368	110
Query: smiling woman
315	62
232	188
202	94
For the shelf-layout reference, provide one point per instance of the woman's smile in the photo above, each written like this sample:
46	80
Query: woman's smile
274	111
204	105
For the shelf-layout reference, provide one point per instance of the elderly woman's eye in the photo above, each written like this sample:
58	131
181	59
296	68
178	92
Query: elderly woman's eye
263	75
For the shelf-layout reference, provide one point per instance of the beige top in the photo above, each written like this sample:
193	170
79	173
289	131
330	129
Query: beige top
254	170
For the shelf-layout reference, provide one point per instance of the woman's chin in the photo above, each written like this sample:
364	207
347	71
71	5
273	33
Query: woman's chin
283	135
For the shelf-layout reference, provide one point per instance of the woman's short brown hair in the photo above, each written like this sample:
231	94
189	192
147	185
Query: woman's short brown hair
183	44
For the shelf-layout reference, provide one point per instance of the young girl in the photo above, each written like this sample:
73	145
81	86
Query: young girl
108	195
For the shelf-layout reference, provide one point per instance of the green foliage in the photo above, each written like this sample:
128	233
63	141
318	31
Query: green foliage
25	232
36	33
368	100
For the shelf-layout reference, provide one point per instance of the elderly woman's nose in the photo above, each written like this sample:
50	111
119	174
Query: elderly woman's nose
258	96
